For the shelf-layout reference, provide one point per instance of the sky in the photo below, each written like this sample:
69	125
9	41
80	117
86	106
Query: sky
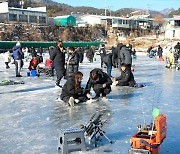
118	4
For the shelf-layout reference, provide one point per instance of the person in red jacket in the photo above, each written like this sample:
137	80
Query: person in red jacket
33	64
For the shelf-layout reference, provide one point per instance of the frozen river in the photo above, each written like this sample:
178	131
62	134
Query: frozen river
30	116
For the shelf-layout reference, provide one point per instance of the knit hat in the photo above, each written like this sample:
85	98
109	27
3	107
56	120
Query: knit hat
18	44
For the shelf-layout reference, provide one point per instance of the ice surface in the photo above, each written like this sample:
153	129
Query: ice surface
30	116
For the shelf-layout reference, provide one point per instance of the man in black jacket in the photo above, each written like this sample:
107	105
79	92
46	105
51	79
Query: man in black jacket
126	78
114	57
33	52
125	57
90	54
177	51
57	55
102	52
100	82
160	51
118	50
72	63
80	51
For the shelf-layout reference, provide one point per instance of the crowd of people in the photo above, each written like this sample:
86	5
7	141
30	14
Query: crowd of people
172	55
66	64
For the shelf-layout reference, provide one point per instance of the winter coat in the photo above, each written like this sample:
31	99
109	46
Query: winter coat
102	52
69	89
7	57
107	59
103	79
118	48
170	58
33	64
149	49
126	79
90	53
33	52
177	46
73	65
124	56
130	48
57	57
160	51
81	55
114	56
40	50
17	53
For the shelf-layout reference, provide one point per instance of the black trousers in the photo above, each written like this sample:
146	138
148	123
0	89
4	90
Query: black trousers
59	73
104	91
7	64
122	84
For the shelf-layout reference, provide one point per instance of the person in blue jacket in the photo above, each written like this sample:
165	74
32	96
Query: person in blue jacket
17	56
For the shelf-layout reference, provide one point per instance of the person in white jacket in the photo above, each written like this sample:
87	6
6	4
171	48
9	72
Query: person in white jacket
7	59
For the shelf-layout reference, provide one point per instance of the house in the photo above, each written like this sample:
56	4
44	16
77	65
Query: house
112	21
18	15
67	20
133	22
173	28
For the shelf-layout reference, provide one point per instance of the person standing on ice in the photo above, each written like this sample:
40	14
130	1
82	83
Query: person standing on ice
100	82
81	54
17	56
72	63
118	50
33	52
102	52
177	51
90	54
57	55
72	92
108	61
125	57
7	59
26	54
159	51
114	57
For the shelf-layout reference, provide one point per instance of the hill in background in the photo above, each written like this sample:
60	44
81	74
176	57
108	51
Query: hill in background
55	9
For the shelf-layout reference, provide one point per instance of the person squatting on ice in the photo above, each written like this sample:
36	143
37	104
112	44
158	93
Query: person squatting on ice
72	63
17	56
33	65
100	82
72	92
57	55
126	78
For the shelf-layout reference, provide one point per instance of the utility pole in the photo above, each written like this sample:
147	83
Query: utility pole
110	10
105	7
105	13
148	9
